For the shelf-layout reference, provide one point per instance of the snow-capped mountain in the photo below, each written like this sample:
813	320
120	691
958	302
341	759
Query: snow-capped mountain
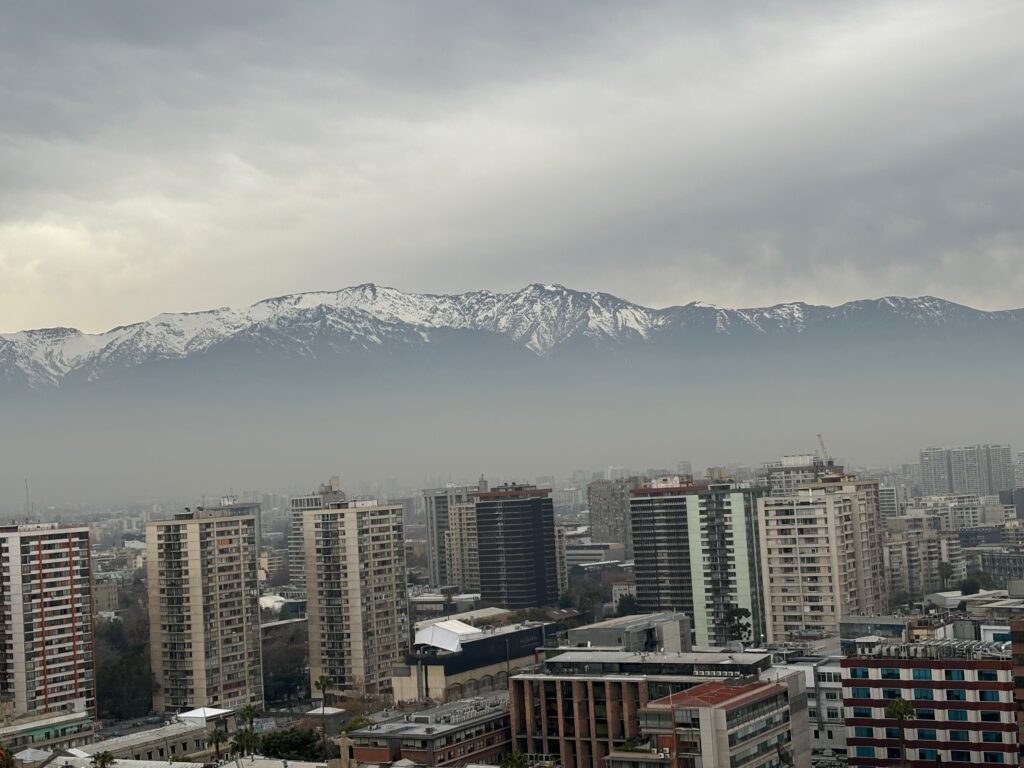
543	319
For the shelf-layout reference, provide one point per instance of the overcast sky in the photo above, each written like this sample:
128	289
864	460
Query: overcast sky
163	156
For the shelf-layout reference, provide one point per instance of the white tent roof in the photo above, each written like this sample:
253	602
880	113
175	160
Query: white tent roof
446	635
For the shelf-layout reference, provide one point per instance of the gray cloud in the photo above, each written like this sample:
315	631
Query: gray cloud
161	156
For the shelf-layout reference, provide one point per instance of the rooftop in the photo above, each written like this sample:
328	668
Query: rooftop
441	719
86	762
140	738
718	693
477	615
638	619
871	647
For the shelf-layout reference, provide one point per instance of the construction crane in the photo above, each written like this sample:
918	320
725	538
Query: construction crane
822	449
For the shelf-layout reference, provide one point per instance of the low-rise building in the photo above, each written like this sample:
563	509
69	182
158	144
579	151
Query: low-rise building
666	631
471	730
176	740
61	730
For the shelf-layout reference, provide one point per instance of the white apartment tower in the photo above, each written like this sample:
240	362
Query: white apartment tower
436	505
204	613
820	556
462	553
356	596
46	620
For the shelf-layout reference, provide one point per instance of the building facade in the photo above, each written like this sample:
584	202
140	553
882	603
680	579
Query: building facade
436	503
978	470
204	613
820	556
329	493
47	665
462	558
608	502
700	556
516	545
356	597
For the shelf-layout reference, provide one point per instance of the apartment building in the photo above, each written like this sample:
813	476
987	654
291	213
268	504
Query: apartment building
355	595
820	556
700	555
462	555
204	614
436	505
47	670
977	470
608	502
961	695
327	494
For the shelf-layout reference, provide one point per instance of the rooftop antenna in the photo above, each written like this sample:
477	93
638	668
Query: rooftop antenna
28	503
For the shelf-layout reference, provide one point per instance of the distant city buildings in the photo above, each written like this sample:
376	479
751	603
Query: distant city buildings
356	594
978	470
608	502
436	504
516	545
204	613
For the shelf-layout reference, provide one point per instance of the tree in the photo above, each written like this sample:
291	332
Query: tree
900	710
6	758
627	606
514	760
245	742
248	715
737	624
102	760
217	738
945	572
323	685
297	744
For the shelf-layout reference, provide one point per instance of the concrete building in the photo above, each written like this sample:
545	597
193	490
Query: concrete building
436	503
977	470
62	730
462	557
823	680
454	734
329	493
791	472
204	614
584	705
722	724
962	694
104	595
957	511
47	667
700	554
645	632
175	741
516	543
913	561
820	555
608	502
356	595
451	660
889	503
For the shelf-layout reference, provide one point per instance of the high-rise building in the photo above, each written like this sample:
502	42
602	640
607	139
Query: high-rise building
914	559
820	556
608	501
204	613
356	600
516	542
328	493
1018	471
956	512
888	501
791	472
460	547
436	503
700	555
46	621
978	470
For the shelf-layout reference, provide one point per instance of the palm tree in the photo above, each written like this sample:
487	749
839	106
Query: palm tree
248	714
945	571
217	738
102	760
900	710
323	684
244	742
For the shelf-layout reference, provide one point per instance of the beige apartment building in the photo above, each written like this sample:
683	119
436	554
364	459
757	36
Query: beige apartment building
204	614
46	629
460	547
820	556
356	596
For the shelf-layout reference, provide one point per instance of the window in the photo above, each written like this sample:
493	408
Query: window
988	695
992	737
994	757
893	753
956	694
892	733
926	714
988	716
861	693
926	734
928	754
891	693
988	675
959	736
832	713
863	732
922	674
924	693
859	673
865	751
958	715
954	674
960	756
867	712
888	673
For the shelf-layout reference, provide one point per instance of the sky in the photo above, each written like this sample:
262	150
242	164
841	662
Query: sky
179	156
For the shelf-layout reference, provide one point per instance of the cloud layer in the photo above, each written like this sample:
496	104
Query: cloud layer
159	156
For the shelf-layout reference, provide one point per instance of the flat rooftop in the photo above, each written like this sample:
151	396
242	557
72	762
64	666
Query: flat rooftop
439	720
583	656
718	693
471	617
637	619
153	735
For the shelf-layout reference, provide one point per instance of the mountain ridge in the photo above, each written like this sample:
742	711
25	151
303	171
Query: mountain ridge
541	318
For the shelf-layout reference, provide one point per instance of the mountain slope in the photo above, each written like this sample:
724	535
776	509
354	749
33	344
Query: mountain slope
543	319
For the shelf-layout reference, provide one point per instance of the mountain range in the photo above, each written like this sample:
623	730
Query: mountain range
545	320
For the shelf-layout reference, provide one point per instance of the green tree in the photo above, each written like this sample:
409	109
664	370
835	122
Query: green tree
297	744
514	760
6	758
102	760
248	715
737	623
323	685
945	572
900	710
217	738
627	606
